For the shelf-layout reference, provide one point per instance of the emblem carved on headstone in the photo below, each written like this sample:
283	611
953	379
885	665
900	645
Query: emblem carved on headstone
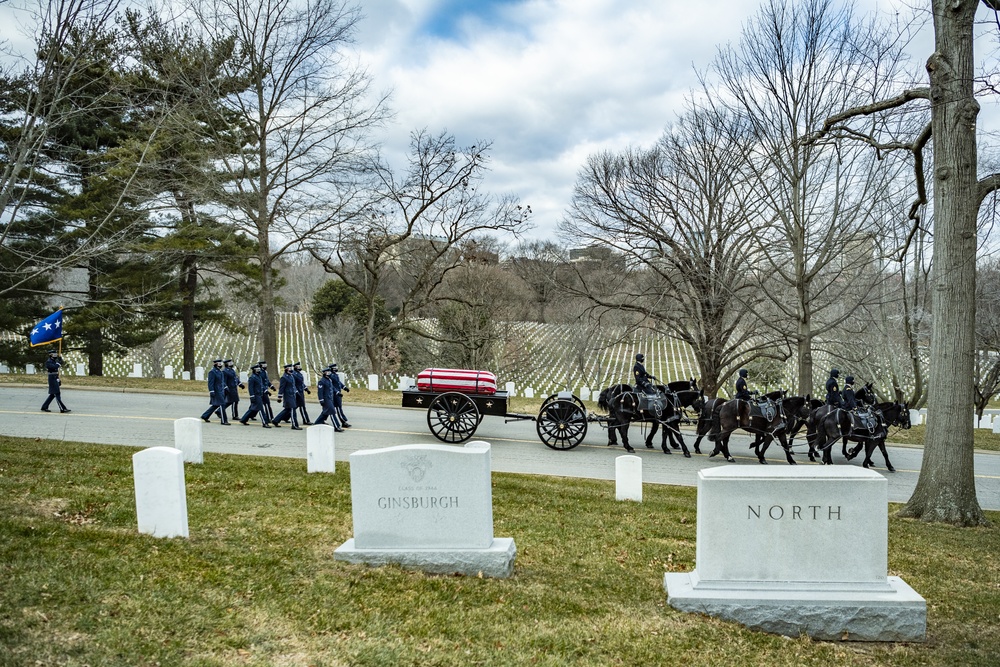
416	467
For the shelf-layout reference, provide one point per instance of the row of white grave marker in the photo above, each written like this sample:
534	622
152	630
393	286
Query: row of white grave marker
158	472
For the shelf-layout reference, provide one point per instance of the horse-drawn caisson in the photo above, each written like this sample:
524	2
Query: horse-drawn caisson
457	400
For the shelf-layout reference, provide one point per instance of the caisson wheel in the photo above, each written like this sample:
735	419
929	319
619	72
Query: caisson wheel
453	417
562	423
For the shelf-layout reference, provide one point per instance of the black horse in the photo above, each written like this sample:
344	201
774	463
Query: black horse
625	405
768	420
869	427
681	395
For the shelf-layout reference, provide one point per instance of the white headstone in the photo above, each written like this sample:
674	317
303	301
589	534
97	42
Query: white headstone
798	551
427	507
628	478
81	369
160	494
4	369
199	373
168	372
996	425
915	418
320	449
986	421
137	370
29	369
188	439
405	382
529	392
244	376
510	389
185	375
585	393
373	383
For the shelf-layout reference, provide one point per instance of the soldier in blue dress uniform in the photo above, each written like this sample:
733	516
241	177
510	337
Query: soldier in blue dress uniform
52	365
255	388
338	397
267	414
216	393
833	389
741	386
286	394
300	392
232	382
324	392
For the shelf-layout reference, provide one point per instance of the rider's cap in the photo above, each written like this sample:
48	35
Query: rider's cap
834	372
743	372
849	379
640	357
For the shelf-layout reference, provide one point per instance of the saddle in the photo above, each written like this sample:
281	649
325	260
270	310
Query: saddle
653	403
864	420
764	408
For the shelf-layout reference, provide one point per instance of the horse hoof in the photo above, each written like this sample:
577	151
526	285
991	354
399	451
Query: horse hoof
687	455
697	450
675	446
630	450
715	452
731	459
890	469
649	445
763	462
867	465
667	451
792	463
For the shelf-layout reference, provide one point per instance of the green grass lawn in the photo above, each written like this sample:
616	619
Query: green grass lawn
256	583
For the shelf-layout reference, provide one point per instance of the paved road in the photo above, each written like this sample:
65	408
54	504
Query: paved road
147	420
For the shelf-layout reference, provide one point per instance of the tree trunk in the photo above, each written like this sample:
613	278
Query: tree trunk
268	327
189	287
804	355
95	337
946	488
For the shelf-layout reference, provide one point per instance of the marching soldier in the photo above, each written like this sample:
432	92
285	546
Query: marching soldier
324	391
216	393
742	392
338	398
300	392
232	382
52	365
286	394
833	389
256	390
267	414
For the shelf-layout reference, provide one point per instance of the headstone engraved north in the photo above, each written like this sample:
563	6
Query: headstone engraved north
188	439
798	551
320	449
160	495
426	507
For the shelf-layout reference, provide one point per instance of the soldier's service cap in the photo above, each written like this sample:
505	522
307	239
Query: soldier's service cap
217	361
287	366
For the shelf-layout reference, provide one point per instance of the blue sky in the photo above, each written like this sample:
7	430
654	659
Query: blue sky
549	82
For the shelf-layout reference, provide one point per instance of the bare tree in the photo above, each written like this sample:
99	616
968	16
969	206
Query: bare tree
946	489
305	119
676	214
41	95
419	228
796	64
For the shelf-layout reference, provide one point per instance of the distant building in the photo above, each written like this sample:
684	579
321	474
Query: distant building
591	253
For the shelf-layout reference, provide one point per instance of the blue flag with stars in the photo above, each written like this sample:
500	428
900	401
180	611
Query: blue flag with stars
48	330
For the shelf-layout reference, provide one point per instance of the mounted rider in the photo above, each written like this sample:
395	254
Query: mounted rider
642	378
833	389
742	392
850	400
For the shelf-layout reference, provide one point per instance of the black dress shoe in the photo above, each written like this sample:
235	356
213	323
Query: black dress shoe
266	425
307	423
346	425
338	430
276	425
225	423
206	420
244	423
296	428
46	410
67	410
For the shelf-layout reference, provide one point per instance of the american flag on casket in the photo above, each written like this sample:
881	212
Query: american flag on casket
456	379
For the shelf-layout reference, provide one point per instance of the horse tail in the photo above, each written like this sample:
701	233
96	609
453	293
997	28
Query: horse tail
602	400
716	425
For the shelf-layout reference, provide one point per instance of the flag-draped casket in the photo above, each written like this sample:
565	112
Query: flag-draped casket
455	379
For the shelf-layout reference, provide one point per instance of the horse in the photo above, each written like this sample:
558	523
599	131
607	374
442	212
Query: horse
797	411
709	407
681	395
868	428
737	413
623	404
